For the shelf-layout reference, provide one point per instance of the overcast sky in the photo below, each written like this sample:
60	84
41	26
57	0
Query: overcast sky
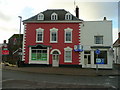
89	11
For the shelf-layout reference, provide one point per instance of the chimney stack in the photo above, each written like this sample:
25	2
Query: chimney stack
77	11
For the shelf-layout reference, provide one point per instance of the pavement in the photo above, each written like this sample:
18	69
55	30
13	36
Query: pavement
66	70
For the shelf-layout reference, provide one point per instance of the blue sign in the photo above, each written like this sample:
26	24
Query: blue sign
97	51
78	48
99	61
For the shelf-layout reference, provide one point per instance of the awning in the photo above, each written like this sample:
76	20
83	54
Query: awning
41	45
102	47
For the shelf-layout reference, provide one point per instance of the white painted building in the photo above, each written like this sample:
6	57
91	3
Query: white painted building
116	46
96	35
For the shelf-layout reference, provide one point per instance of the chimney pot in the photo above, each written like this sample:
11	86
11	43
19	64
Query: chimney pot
105	18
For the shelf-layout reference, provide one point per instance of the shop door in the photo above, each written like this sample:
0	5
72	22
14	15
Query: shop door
87	59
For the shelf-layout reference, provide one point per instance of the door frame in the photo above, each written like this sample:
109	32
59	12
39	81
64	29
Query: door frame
58	54
86	63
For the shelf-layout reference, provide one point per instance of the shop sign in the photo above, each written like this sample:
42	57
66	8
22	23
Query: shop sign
5	52
99	61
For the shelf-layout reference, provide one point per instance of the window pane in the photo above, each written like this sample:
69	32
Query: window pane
39	36
98	39
54	36
68	56
68	36
102	56
40	55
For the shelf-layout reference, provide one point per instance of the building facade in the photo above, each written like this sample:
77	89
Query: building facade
116	46
49	38
14	45
96	38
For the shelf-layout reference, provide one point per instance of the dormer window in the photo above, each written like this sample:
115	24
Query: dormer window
54	16
68	16
40	16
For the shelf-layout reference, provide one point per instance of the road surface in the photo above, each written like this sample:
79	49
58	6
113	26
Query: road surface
18	79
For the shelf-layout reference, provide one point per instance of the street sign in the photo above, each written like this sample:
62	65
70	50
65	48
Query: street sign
97	51
5	52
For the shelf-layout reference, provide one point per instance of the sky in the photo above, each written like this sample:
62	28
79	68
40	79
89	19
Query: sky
89	10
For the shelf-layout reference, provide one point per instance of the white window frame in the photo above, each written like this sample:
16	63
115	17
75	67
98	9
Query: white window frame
40	16
54	16
68	16
37	31
56	31
68	30
100	41
70	50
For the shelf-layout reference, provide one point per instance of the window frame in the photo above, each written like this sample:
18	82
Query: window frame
56	31
54	16
68	49
37	31
65	38
96	40
40	16
68	16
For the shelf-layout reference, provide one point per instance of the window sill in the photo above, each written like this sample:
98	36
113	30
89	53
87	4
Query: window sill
67	42
53	42
39	41
67	61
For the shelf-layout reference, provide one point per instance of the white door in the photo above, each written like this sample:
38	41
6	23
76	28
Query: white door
87	59
55	60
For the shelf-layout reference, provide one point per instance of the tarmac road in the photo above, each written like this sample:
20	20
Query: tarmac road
18	79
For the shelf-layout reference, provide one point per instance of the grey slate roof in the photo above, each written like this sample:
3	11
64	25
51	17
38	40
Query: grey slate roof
47	15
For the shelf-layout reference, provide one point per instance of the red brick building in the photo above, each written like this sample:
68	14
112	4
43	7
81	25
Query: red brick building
50	38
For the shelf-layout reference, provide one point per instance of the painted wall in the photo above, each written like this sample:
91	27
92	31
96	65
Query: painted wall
30	39
89	29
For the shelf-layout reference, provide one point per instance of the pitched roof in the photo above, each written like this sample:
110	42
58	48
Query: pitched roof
117	43
47	16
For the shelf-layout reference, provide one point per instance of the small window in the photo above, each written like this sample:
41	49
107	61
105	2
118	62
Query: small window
54	16
68	16
40	16
98	39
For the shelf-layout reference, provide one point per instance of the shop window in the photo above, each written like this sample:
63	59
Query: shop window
102	56
39	55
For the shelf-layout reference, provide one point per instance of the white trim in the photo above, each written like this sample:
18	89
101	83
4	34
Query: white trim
68	16
67	49
54	16
40	16
56	31
39	30
62	21
24	41
55	50
65	31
